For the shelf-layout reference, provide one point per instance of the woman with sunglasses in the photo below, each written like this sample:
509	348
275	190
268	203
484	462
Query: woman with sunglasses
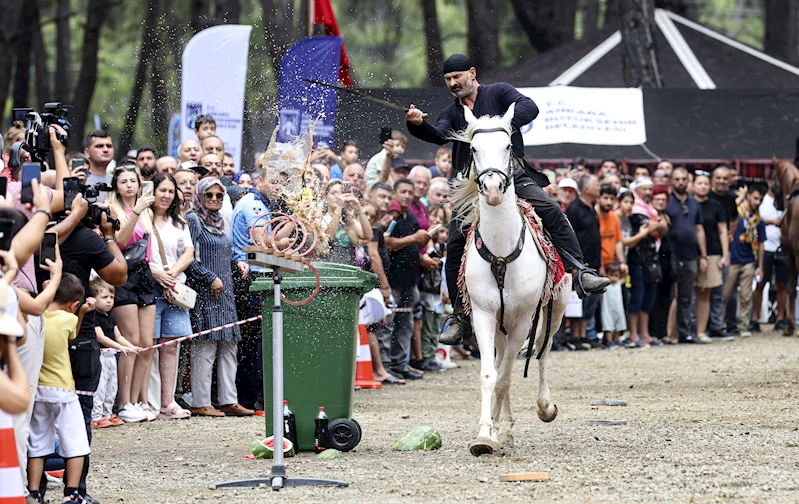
134	302
172	242
211	277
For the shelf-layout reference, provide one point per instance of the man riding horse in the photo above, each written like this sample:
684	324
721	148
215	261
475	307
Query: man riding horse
494	99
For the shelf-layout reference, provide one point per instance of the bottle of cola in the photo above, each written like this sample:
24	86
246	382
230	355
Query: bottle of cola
290	426
322	438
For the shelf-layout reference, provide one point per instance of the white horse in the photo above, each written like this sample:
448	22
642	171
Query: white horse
488	195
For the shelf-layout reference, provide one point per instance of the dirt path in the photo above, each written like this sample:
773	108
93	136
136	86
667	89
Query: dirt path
711	423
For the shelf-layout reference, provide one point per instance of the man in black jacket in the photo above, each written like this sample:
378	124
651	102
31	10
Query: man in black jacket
494	99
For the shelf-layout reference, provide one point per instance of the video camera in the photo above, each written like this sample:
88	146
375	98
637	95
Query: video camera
95	212
37	136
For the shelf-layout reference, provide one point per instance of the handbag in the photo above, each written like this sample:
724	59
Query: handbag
653	273
136	254
185	296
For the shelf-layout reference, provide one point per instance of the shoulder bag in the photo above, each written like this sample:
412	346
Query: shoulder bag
185	296
136	254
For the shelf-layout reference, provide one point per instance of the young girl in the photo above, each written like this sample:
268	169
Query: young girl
614	320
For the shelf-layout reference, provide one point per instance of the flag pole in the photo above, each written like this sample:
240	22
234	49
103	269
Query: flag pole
311	16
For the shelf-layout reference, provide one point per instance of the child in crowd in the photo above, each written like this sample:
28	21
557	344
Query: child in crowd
430	288
108	336
56	407
204	126
614	320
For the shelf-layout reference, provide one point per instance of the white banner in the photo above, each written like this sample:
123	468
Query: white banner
594	116
214	78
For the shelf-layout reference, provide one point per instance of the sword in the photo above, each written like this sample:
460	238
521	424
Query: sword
365	96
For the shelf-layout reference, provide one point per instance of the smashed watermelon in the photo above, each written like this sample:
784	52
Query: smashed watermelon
419	438
266	449
330	453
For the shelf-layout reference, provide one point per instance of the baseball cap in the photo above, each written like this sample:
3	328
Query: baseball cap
567	182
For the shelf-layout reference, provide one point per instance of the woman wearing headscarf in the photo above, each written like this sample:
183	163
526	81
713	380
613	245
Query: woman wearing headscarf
210	275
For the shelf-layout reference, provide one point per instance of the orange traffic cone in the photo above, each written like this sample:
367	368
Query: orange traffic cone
364	378
11	491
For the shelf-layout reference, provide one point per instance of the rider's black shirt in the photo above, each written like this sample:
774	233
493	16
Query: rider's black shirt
492	100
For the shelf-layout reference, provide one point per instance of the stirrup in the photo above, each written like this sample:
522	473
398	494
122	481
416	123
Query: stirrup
581	292
462	333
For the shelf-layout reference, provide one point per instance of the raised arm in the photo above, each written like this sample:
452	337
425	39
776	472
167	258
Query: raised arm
526	109
423	130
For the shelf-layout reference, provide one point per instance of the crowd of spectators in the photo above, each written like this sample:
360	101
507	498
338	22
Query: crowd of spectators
683	251
687	253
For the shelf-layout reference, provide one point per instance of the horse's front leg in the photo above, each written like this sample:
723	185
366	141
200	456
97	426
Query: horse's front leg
503	419
485	329
547	410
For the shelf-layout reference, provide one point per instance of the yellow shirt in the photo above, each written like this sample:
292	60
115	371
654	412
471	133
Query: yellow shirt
60	328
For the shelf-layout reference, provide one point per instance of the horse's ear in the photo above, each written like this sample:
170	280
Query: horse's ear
467	113
508	117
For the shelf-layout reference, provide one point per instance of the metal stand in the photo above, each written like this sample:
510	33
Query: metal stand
277	479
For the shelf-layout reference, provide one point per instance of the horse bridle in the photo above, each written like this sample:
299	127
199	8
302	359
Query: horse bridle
504	175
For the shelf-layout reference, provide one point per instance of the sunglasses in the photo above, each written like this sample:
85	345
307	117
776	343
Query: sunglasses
210	195
702	172
685	210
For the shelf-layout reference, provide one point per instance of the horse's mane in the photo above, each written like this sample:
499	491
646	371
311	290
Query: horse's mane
464	192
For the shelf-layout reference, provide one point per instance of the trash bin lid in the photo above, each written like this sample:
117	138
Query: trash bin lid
330	276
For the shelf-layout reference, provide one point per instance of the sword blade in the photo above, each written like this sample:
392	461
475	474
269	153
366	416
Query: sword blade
365	96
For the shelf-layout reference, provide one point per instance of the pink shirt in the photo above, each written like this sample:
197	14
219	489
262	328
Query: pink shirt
138	234
27	278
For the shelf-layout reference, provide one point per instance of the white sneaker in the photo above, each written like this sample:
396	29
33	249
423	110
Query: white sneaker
130	413
147	410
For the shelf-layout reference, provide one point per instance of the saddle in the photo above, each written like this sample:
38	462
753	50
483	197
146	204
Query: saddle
555	268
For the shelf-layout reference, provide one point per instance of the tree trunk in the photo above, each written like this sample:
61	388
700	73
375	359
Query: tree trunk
84	88
640	65
40	59
547	23
483	40
160	91
227	12
140	81
781	21
200	14
63	73
278	28
10	28
432	35
590	18
685	8
22	70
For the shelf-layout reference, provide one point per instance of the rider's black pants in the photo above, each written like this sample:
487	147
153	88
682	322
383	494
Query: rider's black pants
551	216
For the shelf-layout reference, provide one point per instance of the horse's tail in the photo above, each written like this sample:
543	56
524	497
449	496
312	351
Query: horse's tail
464	200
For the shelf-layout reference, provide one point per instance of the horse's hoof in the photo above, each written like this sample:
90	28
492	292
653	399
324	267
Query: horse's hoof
548	418
482	446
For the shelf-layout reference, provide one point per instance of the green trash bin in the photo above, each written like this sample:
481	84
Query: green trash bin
319	343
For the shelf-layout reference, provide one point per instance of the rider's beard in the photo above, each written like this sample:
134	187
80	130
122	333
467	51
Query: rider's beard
464	91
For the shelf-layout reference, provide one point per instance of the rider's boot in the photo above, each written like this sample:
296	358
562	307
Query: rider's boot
455	330
588	283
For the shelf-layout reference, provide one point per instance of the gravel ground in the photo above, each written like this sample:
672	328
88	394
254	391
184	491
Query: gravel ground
711	423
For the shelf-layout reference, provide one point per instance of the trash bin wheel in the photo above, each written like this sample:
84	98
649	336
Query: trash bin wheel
360	430
345	434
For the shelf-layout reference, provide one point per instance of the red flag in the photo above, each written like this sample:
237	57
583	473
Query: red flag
323	15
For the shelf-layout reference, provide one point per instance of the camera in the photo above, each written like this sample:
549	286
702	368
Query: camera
37	124
95	212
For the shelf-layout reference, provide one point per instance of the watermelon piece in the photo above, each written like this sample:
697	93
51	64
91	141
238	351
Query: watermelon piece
330	453
419	438
266	449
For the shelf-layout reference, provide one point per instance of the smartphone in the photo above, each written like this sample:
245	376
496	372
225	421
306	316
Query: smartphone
434	229
3	186
78	164
147	188
30	171
346	188
71	189
385	135
391	227
434	253
47	250
6	228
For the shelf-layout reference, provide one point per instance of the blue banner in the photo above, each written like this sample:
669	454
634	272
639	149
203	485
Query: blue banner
299	102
